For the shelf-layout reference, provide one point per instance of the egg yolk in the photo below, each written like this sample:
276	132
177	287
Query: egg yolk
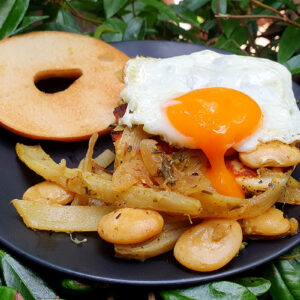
216	119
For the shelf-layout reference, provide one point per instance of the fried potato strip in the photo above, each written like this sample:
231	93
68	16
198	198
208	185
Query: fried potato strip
92	185
106	158
292	192
216	205
60	218
160	244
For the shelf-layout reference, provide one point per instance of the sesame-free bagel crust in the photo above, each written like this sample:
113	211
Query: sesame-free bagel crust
69	115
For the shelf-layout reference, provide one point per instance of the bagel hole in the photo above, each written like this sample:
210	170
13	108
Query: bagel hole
54	81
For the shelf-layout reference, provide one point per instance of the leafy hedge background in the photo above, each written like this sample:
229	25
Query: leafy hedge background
269	29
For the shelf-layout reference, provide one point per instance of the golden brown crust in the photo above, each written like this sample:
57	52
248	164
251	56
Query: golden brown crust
72	114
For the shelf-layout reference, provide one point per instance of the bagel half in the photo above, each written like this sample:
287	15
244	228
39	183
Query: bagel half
73	114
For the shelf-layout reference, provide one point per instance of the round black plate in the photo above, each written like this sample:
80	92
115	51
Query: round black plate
95	260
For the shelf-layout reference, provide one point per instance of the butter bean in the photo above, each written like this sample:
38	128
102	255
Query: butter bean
48	192
130	225
209	245
270	223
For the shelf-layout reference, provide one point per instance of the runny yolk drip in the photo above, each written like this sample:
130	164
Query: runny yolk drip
216	119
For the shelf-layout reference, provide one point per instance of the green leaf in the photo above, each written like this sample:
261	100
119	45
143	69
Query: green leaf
127	17
119	26
289	43
7	293
295	252
290	4
163	8
101	29
208	25
135	30
5	8
223	6
150	18
187	35
296	265
27	22
240	35
111	7
23	279
116	24
52	26
74	285
290	277
138	7
256	285
14	18
278	290
244	3
87	6
252	27
48	8
263	11
229	26
65	18
193	5
228	45
91	16
229	290
224	290
293	64
187	16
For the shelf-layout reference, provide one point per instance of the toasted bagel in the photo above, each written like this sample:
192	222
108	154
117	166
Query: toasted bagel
83	108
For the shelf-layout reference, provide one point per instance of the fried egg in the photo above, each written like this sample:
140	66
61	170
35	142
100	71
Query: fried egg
212	102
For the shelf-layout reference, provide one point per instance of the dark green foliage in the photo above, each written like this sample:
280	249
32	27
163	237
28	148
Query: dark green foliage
115	20
22	279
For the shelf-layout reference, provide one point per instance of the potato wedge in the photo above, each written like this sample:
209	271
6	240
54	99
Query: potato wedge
219	206
256	181
94	186
137	196
41	163
128	146
160	244
106	158
87	162
292	192
60	218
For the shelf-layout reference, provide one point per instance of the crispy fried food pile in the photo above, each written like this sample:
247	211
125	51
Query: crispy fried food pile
157	199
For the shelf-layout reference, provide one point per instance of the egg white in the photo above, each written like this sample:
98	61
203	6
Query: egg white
151	82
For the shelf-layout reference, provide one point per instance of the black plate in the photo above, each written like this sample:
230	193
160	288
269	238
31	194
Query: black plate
95	260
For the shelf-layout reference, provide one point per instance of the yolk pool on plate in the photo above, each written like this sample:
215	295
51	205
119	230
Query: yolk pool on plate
216	119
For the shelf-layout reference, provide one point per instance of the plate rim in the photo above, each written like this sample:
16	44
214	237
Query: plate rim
173	282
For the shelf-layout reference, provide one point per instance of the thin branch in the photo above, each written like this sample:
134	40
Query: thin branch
252	41
275	11
77	14
132	7
218	5
276	18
